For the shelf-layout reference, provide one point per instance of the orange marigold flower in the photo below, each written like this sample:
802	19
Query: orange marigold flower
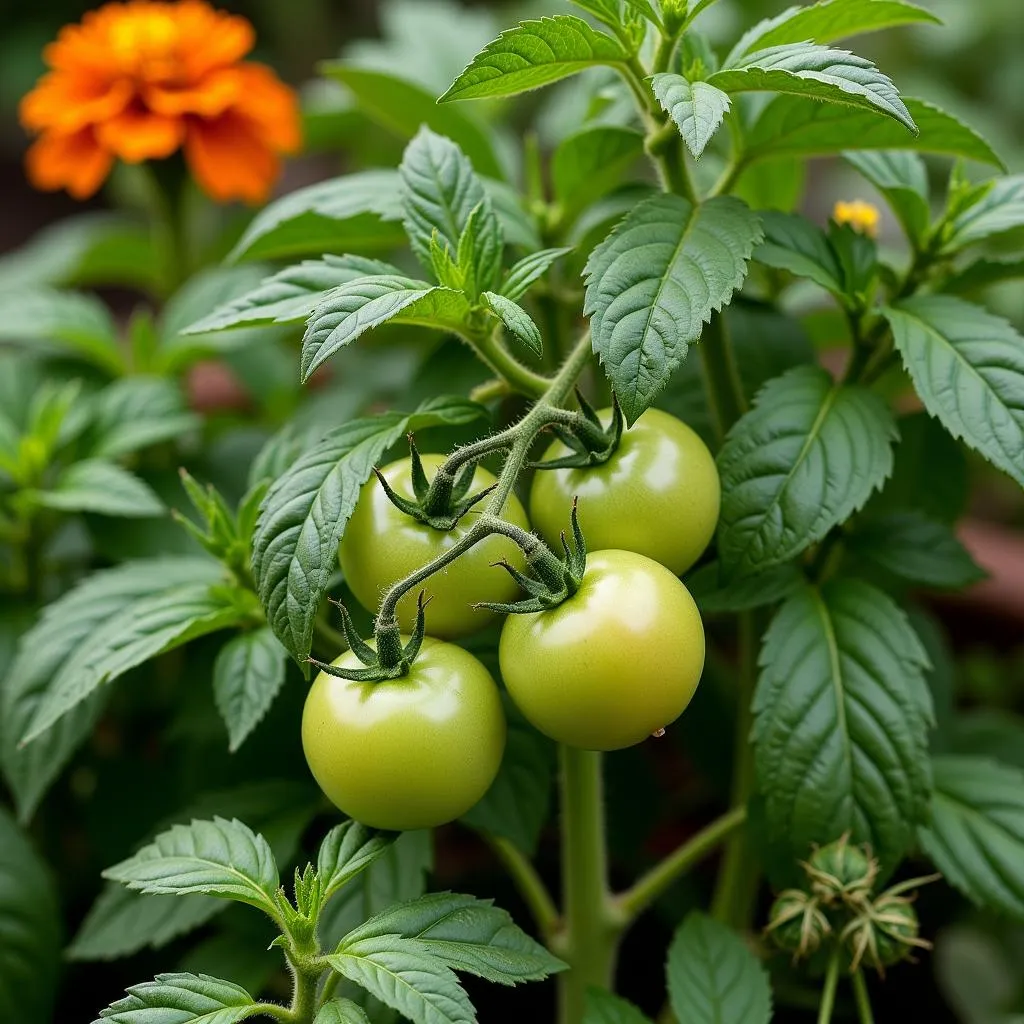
139	80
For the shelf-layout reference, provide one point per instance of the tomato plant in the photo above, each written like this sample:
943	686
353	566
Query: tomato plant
228	576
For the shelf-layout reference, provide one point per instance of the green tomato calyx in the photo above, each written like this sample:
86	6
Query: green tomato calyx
797	923
886	930
388	657
591	443
553	579
440	503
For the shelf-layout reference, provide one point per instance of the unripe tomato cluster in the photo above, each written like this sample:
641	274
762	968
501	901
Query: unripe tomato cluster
618	660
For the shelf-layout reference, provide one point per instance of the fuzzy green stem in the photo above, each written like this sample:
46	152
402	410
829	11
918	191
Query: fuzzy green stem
828	993
508	368
672	166
588	941
721	375
281	1013
862	998
648	888
530	885
304	1000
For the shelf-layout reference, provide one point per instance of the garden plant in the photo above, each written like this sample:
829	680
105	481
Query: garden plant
542	485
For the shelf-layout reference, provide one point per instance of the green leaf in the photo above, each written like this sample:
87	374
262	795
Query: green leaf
528	271
603	1008
346	851
402	107
841	713
30	925
805	458
341	1011
999	210
715	594
797	126
697	108
655	281
968	368
535	53
76	324
247	675
976	833
218	858
793	243
351	213
48	650
914	547
290	295
772	184
295	547
983	273
440	192
402	975
713	977
828	21
902	178
465	934
135	412
519	800
182	999
517	321
159	622
589	163
818	72
96	485
359	306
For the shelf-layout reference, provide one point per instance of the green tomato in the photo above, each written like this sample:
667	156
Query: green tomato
616	662
406	753
382	545
657	495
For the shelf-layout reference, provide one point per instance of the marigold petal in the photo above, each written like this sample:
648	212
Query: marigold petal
212	39
76	162
229	159
209	97
135	135
272	105
69	102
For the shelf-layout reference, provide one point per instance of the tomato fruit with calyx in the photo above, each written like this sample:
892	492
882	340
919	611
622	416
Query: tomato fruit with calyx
382	545
406	753
614	663
658	494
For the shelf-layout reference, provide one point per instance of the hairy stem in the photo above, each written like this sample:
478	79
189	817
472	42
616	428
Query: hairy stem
521	378
721	375
530	885
304	1000
649	887
863	1000
828	992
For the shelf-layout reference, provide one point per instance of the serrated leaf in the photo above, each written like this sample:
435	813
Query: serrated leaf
346	851
818	72
591	162
50	648
291	295
218	858
828	21
797	126
999	210
351	213
603	1008
535	53
697	108
295	547
806	457
916	548
983	273
517	321
149	626
902	178
96	485
466	934
715	594
355	308
31	929
713	977
341	1011
402	107
77	324
402	975
182	999
841	715
968	368
528	271
247	675
793	243
976	833
135	412
655	281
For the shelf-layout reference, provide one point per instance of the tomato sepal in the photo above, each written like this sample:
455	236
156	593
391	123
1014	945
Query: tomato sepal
591	442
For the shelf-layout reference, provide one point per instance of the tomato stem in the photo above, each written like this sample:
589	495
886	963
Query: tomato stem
529	883
828	993
863	999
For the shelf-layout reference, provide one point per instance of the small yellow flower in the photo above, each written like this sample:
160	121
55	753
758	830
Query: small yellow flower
861	216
